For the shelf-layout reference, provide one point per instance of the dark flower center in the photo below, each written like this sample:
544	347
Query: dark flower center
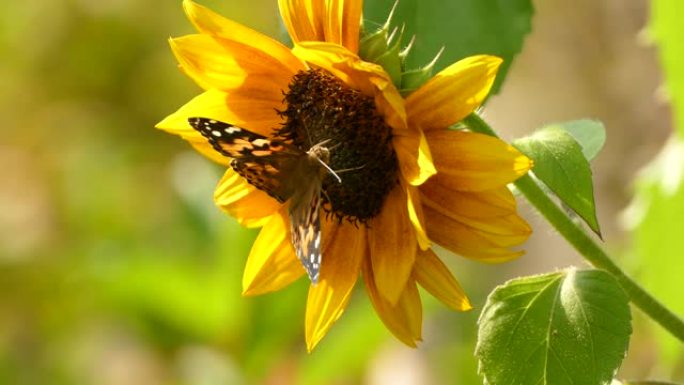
321	108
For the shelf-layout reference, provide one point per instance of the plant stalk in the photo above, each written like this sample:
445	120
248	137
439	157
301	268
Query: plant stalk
586	245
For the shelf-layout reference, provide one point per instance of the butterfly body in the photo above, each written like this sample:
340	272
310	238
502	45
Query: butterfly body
285	172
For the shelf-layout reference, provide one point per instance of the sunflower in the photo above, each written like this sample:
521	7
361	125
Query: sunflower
408	180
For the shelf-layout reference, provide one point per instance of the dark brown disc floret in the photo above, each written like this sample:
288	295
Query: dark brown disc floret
320	107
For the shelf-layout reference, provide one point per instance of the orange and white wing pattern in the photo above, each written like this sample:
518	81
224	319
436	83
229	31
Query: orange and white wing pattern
305	222
265	163
281	170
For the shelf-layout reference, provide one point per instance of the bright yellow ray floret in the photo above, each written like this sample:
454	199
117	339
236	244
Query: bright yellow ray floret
450	187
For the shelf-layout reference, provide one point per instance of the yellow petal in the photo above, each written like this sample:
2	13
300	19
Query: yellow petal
482	204
209	102
343	23
348	67
491	212
204	148
252	112
211	23
332	21
409	142
272	263
332	26
431	273
415	160
303	19
388	100
488	240
512	228
369	78
453	93
339	271
467	161
255	113
226	65
393	245
404	319
416	216
249	205
352	11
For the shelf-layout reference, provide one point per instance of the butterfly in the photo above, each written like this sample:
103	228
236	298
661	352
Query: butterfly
283	171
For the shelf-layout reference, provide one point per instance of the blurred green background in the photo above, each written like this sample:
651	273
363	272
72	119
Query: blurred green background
116	268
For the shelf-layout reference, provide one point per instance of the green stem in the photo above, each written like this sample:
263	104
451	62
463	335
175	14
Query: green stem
586	245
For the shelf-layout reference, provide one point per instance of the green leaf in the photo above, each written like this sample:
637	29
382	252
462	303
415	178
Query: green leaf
569	327
655	219
561	165
590	134
648	383
666	27
462	27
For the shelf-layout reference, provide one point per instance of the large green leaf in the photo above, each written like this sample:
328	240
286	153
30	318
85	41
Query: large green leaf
646	383
655	217
667	29
569	327
462	27
560	163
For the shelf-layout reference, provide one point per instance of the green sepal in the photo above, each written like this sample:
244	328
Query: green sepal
413	79
405	52
383	47
390	60
376	43
373	45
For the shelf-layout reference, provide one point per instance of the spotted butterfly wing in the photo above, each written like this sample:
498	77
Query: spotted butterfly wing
281	170
265	163
306	227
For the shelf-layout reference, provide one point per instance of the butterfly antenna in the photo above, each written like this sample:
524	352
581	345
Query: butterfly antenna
333	147
330	170
350	169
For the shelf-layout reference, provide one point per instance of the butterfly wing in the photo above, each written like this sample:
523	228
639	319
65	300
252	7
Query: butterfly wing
305	225
281	170
265	163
